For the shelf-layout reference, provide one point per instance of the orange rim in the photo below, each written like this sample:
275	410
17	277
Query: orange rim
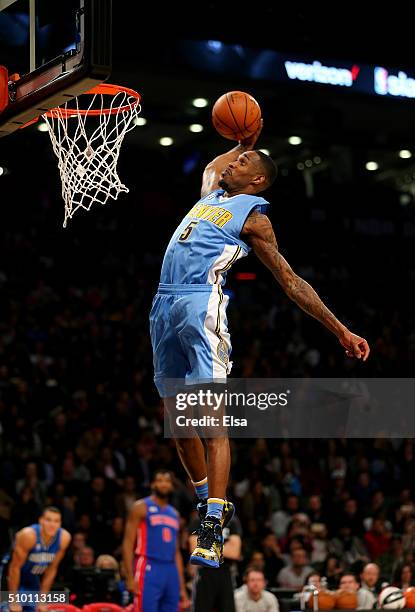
104	88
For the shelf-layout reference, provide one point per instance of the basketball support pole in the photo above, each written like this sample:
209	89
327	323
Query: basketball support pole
32	34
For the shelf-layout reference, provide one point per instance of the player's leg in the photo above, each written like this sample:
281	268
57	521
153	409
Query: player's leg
151	588
171	594
205	341
171	366
190	450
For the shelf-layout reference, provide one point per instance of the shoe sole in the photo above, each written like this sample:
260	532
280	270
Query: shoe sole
194	560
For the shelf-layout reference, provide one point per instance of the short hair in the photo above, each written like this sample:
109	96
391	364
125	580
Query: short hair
269	167
252	568
162	471
344	574
51	509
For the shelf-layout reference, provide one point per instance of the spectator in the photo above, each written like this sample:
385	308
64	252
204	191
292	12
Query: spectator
315	510
403	576
27	510
332	568
281	518
252	596
348	583
368	592
31	480
274	561
257	560
393	558
377	540
351	517
348	547
319	543
86	557
108	562
293	576
314	579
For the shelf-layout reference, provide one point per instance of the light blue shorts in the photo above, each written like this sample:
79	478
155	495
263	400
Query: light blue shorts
189	335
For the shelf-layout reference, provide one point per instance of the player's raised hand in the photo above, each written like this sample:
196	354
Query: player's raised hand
355	345
250	142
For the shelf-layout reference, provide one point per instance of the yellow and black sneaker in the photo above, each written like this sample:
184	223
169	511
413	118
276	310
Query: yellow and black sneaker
209	547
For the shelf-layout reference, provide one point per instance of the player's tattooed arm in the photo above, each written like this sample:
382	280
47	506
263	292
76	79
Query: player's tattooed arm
211	174
259	233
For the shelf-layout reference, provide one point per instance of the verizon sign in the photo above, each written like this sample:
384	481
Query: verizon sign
316	72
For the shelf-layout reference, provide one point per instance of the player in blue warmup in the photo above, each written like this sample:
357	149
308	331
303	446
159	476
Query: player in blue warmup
37	551
151	555
188	323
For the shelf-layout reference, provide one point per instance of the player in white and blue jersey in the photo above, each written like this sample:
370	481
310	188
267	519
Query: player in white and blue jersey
188	323
37	551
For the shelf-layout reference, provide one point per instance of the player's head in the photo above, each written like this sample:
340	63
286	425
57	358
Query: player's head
50	520
251	173
162	483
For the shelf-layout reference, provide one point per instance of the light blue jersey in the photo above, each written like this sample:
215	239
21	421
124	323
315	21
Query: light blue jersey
188	324
207	242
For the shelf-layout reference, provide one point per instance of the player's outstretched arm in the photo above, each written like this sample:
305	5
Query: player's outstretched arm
258	232
211	175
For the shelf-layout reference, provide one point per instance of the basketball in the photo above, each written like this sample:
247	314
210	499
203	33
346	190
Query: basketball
392	598
326	600
410	597
346	600
236	115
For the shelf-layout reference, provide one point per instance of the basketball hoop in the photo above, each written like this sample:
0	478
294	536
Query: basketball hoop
87	143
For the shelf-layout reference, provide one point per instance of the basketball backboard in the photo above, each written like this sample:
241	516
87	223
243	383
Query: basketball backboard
58	49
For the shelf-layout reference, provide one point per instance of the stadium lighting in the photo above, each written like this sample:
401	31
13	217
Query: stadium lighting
266	151
42	127
200	102
1	171
317	159
196	128
371	166
405	154
308	163
295	140
140	121
166	141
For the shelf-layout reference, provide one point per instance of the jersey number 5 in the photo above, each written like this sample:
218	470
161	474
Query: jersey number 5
187	231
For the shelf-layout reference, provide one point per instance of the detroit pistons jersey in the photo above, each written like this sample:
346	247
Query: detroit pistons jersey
39	558
157	533
207	242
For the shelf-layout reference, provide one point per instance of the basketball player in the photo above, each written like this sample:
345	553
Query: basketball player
156	575
37	552
188	320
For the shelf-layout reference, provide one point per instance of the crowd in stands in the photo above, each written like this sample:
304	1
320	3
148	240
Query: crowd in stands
81	425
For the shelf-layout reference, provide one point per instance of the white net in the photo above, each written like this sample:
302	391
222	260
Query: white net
87	144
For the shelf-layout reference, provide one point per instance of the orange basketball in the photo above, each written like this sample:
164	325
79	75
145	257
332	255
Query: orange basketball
326	600
236	115
346	600
410	597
